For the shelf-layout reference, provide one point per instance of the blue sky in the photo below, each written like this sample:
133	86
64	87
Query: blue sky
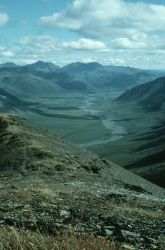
118	32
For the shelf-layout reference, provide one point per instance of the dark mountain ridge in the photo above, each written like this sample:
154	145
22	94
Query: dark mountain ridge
24	83
149	95
94	74
8	65
103	76
43	66
147	102
80	67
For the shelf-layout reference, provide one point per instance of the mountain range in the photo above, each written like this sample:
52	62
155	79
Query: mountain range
54	187
24	85
101	76
93	75
53	97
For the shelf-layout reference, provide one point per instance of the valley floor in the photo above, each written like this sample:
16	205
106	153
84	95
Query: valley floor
118	132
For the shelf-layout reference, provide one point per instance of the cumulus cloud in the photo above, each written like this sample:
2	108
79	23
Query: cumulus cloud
7	53
4	52
33	48
46	44
48	48
85	44
42	44
126	43
4	19
98	18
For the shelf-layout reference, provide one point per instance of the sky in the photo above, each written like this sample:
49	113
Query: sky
111	32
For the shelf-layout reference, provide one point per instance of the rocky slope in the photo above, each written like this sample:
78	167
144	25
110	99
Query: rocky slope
52	185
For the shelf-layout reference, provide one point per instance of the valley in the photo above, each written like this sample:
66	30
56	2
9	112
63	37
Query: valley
82	125
82	121
91	117
51	185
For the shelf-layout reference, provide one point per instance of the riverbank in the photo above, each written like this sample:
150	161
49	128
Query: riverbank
91	105
142	149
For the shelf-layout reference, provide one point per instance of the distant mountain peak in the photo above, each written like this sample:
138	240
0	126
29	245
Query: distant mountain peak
43	66
42	63
79	66
8	65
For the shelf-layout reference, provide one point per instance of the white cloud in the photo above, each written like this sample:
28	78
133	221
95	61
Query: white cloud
7	53
47	48
42	43
89	59
4	19
101	18
56	20
28	61
85	44
126	43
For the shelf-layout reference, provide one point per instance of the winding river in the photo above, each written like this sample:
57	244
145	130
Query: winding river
90	105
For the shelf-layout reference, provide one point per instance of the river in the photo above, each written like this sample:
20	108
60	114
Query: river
90	105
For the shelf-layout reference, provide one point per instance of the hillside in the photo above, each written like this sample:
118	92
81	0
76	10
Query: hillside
81	76
50	184
8	65
149	95
11	103
140	110
101	76
25	85
29	84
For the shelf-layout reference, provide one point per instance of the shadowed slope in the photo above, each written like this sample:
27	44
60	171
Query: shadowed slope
147	101
150	95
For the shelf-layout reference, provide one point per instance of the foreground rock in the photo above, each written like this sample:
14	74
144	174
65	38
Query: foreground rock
53	185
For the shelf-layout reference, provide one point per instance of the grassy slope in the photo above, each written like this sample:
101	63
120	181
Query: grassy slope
54	186
23	239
